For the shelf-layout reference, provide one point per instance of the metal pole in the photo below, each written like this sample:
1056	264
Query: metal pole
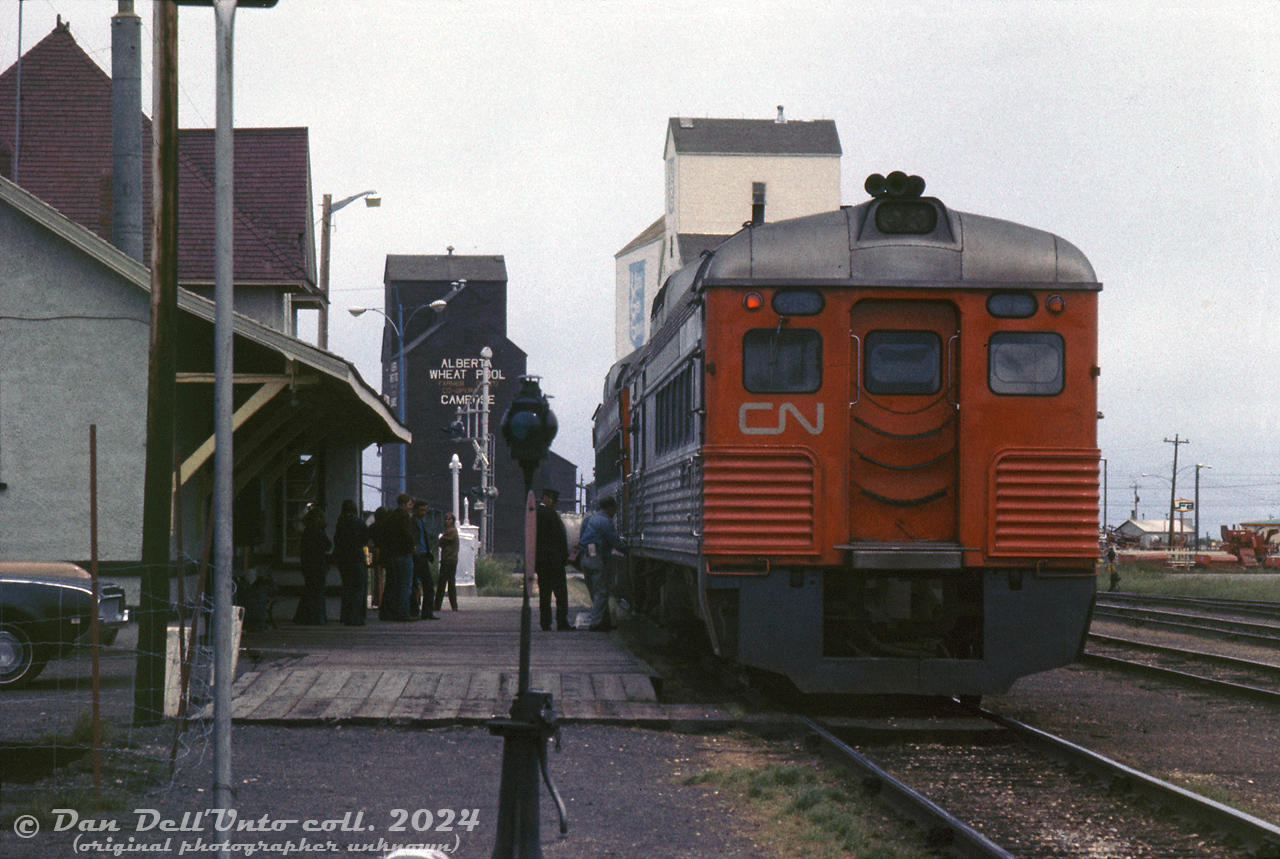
224	298
402	371
486	472
1173	484
326	224
17	101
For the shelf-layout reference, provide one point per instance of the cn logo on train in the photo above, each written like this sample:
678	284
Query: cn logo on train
780	424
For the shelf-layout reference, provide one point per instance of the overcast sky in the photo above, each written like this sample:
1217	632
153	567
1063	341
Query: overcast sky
1144	133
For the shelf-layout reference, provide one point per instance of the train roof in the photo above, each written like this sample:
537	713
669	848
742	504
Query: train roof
848	247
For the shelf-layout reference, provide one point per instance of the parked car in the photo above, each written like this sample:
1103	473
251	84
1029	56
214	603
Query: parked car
46	608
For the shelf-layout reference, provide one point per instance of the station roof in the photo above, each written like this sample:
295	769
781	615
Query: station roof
66	160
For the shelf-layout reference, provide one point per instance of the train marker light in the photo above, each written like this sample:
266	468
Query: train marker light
753	301
1055	304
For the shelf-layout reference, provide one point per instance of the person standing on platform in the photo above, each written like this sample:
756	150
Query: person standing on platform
313	560
350	536
422	558
397	536
446	575
598	540
550	554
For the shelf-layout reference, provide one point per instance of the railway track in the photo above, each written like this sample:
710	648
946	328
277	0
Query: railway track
1259	681
1031	795
1243	621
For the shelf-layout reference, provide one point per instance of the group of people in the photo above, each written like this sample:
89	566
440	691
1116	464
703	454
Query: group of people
598	539
405	548
403	545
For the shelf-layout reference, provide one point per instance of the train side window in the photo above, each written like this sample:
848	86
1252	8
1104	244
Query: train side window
903	362
1026	363
673	412
782	360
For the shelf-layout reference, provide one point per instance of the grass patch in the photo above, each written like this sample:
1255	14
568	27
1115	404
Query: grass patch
1242	583
495	576
812	812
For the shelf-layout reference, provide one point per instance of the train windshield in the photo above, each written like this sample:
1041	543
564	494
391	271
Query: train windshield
903	362
1027	363
782	360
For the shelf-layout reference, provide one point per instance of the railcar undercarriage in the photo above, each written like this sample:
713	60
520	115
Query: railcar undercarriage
868	613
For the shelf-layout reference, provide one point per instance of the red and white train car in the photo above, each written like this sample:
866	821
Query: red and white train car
860	448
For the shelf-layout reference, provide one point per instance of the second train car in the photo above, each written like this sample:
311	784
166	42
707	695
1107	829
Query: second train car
859	448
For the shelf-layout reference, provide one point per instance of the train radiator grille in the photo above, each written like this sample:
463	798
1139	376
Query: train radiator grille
759	501
1044	503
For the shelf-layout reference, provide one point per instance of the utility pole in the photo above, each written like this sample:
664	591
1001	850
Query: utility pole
157	500
1134	514
1173	484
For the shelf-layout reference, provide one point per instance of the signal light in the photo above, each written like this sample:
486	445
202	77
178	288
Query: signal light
753	301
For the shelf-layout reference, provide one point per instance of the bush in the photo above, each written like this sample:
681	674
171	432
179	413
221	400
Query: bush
495	577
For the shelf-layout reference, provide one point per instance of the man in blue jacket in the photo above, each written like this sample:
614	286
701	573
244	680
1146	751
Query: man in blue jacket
598	540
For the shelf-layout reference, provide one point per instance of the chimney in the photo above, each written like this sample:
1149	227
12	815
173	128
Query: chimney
781	119
126	131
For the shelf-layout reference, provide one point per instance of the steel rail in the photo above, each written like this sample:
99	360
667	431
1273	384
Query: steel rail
1248	608
943	831
1255	834
1255	633
1204	656
1268	696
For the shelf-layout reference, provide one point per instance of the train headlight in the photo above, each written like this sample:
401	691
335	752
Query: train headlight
753	301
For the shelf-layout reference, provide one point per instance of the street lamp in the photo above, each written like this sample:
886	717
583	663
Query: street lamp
327	208
400	372
437	307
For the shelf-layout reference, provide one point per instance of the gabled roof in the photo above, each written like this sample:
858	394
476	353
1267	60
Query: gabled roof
340	373
651	234
753	137
442	268
66	160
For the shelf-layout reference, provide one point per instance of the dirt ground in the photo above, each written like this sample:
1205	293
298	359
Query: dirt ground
623	790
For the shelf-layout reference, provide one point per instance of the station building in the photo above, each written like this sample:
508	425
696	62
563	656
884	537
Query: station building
74	330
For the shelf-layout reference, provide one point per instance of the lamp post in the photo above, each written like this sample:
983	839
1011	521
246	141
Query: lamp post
400	372
1199	465
327	208
528	428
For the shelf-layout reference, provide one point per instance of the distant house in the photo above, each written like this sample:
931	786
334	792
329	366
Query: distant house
721	174
1151	533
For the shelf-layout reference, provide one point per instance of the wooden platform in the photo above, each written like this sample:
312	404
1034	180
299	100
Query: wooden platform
463	668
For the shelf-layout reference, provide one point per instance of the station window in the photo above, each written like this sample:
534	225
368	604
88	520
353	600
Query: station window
1026	363
782	360
903	362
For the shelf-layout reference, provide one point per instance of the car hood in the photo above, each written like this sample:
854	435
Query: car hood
46	572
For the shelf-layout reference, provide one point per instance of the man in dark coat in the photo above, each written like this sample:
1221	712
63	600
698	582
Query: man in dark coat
551	553
396	543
